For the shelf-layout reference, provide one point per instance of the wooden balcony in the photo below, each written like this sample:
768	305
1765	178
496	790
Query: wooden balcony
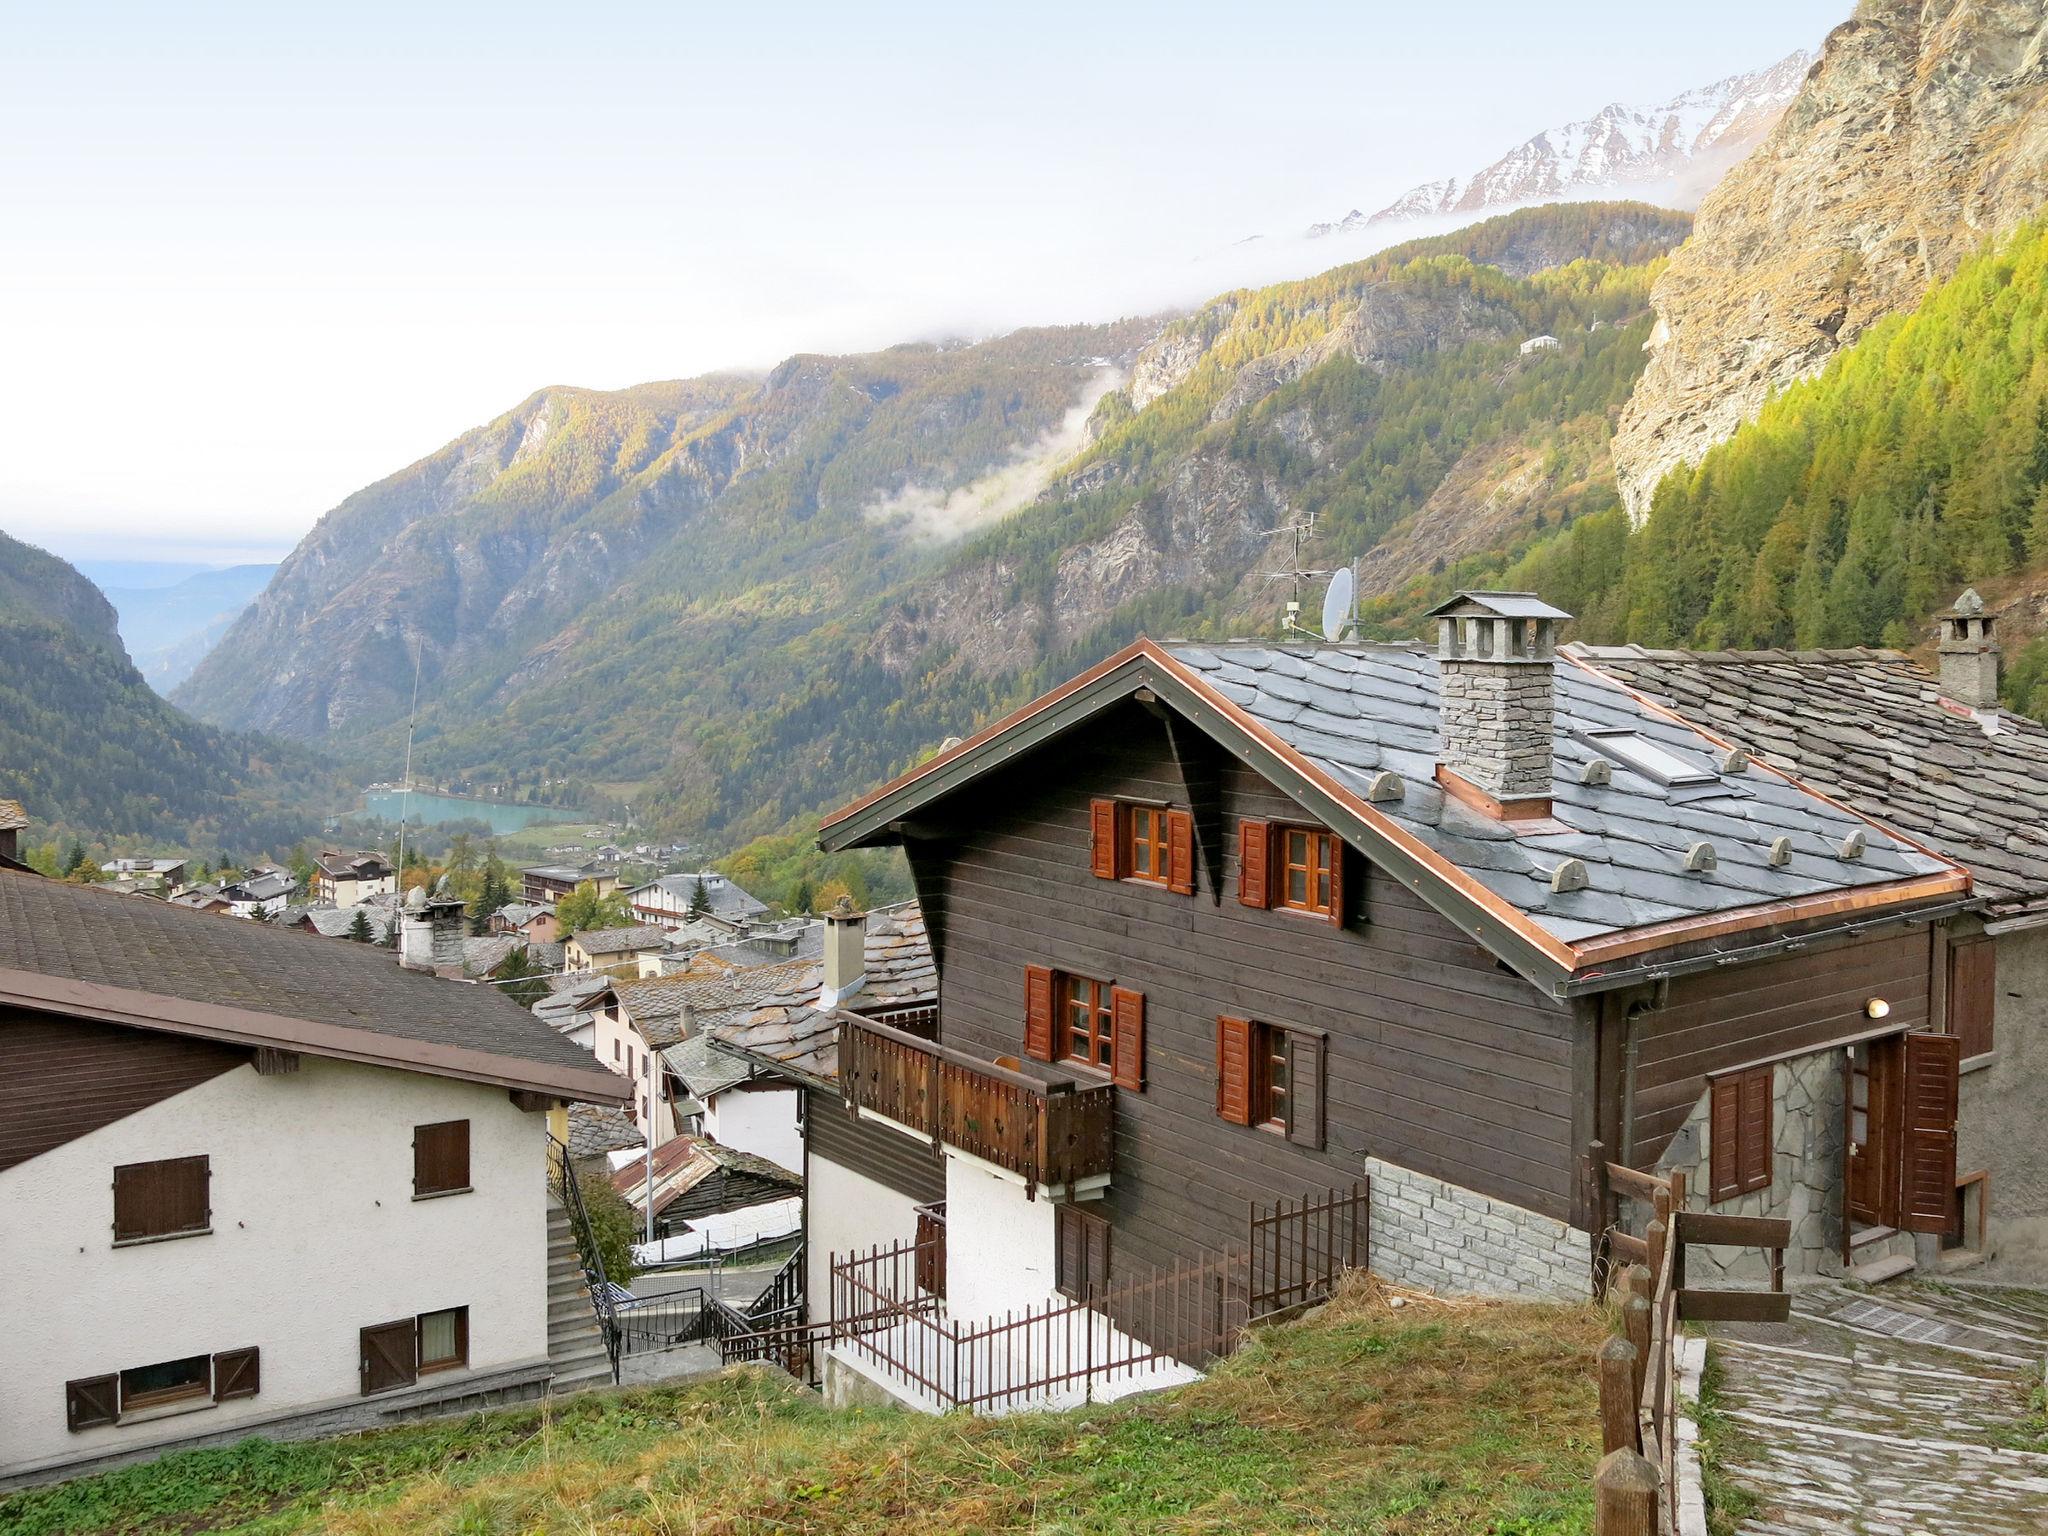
1049	1130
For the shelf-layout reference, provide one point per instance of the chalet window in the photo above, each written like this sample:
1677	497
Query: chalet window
440	1159
1297	868
99	1400
91	1402
1972	994
1272	1077
1152	843
1081	1252
1078	1019
1741	1138
162	1199
237	1373
396	1354
168	1381
444	1339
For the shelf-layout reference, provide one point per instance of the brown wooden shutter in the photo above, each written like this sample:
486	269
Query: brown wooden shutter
92	1401
1337	851
440	1157
161	1198
1306	1052
1928	1189
1972	994
1233	1070
1754	1139
237	1373
1102	820
1127	1038
1255	863
387	1357
1180	853
931	1251
1038	1012
1070	1252
1097	1230
1724	1138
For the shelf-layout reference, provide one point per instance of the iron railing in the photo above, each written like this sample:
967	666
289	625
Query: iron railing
1301	1248
595	1283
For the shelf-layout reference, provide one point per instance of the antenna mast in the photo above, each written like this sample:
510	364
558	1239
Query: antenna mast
405	784
1303	529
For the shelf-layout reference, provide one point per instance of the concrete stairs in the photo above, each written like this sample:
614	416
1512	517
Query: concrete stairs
575	1342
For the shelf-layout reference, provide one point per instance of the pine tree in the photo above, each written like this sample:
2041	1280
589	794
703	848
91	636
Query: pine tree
359	929
699	902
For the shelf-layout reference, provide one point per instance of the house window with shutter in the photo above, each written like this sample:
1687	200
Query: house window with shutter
1972	994
1740	1133
1298	869
168	1381
95	1401
1087	1022
1077	1019
1272	1077
162	1199
1081	1252
444	1339
1152	843
440	1159
397	1354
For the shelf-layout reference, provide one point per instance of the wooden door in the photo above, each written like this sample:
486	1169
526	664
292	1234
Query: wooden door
1932	1065
1872	1184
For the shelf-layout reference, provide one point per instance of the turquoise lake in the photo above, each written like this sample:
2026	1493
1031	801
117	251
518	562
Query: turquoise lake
431	809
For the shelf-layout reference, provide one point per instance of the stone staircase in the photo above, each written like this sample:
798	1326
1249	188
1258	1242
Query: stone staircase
575	1343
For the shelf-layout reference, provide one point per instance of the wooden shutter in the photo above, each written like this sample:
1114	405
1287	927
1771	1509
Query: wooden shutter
1038	1012
387	1357
440	1157
1234	1070
1928	1190
1724	1138
931	1251
1754	1140
1102	852
92	1401
1255	863
1306	1052
1337	850
1070	1252
1127	1038
1180	853
237	1373
1972	994
162	1198
1097	1233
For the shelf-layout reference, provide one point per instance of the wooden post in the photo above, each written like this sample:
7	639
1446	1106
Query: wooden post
1625	1498
1618	1395
1635	1324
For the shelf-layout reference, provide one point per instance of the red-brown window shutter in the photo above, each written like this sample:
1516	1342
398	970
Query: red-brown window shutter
1098	1253
1337	851
440	1158
1038	1012
91	1402
1233	1070
162	1199
1127	1038
1102	820
1307	1050
388	1358
1724	1135
237	1373
1756	1139
1972	994
1933	1066
1180	853
1255	863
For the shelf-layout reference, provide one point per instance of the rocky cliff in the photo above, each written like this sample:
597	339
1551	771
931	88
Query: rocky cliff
1919	134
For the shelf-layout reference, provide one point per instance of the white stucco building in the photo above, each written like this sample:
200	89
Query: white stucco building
255	1184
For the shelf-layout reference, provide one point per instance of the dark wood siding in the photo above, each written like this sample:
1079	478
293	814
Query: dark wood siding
64	1078
1716	1021
1438	1059
905	1164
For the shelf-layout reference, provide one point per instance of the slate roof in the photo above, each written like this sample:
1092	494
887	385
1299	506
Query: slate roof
662	1005
619	941
723	897
519	913
339	922
706	1070
786	1028
1870	727
480	957
595	1129
12	817
73	933
769	948
353	866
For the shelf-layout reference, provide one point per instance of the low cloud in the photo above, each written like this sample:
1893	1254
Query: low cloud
936	515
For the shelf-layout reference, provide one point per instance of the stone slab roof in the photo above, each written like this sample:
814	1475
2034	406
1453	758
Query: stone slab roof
595	1129
12	817
1870	728
282	984
1357	711
619	941
722	897
706	1069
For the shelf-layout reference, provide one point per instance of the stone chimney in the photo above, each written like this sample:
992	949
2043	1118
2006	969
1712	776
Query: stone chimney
430	930
12	820
1496	652
846	940
1969	654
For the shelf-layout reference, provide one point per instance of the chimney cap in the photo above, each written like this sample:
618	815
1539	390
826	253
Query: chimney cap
1968	606
1495	605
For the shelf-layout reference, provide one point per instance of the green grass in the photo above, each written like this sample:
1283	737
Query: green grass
1728	1503
1433	1420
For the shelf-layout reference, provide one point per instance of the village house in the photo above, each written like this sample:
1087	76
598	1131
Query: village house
265	890
345	879
1221	926
157	876
281	1186
669	899
1934	755
620	952
692	1177
531	921
13	821
547	884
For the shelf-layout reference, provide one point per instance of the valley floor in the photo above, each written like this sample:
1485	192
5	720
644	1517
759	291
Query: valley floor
1427	1420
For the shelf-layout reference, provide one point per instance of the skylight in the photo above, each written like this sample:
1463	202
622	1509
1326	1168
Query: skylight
1634	750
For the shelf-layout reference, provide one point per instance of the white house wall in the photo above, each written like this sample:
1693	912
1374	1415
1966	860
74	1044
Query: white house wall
999	1246
845	1211
758	1120
611	1036
315	1236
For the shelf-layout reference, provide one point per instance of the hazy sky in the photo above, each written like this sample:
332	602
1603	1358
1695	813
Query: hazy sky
253	257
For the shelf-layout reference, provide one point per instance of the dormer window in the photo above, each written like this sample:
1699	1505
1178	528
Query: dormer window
1657	763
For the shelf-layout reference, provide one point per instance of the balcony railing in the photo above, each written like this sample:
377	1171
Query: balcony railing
1048	1130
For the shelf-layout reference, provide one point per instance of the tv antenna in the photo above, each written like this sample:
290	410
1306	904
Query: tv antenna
405	785
1338	613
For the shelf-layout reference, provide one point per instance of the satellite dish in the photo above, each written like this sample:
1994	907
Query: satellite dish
1337	606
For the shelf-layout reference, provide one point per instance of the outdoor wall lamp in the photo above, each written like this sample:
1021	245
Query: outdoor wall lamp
1877	1008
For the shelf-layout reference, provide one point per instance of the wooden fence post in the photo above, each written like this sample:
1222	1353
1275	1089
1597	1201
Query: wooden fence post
1635	1325
1618	1396
1625	1495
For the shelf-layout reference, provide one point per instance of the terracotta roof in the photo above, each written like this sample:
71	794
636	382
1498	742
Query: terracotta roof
1871	728
153	965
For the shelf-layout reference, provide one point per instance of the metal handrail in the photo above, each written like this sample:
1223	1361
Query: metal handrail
595	1282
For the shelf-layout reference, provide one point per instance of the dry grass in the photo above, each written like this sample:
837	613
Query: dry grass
1383	1413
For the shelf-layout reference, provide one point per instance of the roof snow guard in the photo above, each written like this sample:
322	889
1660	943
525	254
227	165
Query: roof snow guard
1328	724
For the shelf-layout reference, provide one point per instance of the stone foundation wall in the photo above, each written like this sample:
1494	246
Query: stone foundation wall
1432	1234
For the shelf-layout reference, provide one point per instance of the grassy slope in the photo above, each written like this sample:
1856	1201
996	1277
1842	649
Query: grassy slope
1431	1420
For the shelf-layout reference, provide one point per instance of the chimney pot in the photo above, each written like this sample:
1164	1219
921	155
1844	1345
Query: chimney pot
1969	653
846	936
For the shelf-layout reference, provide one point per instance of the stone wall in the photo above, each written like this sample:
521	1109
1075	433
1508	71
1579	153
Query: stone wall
1497	725
1428	1233
2000	1116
